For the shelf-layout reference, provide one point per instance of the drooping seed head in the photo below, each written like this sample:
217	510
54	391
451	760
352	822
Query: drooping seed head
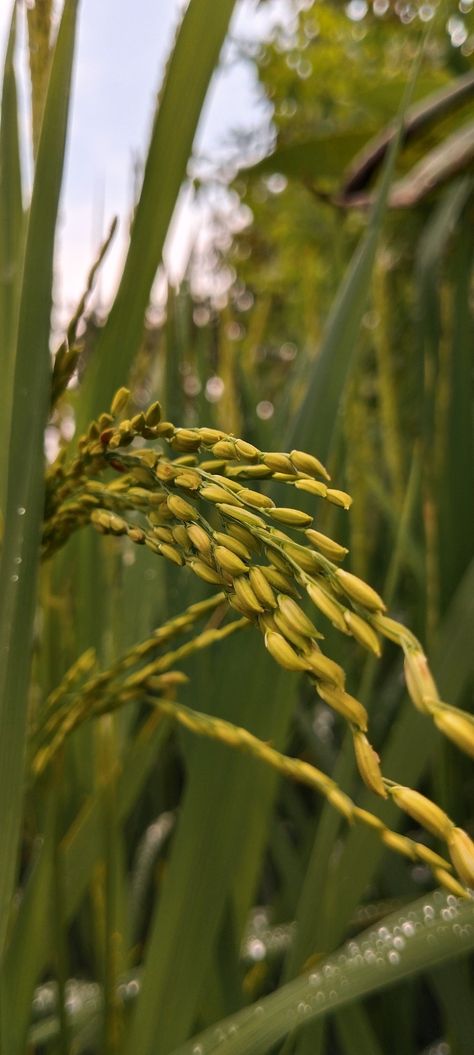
458	727
345	704
210	436
292	517
172	554
422	810
246	451
307	463
278	462
282	651
312	487
243	516
246	595
296	617
224	449
450	883
368	764
261	587
461	851
362	631
181	509
325	668
204	572
419	680
229	561
254	498
359	591
289	632
214	493
326	545
327	605
339	498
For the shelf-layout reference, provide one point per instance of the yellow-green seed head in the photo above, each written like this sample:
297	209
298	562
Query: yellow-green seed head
181	509
461	851
229	561
224	449
261	587
246	451
296	617
199	538
214	493
399	843
277	578
288	630
327	605
186	440
339	498
368	764
245	536
345	704
324	668
292	517
188	479
205	572
307	463
119	401
359	591
254	498
458	727
223	539
282	651
362	631
278	462
312	487
422	810
172	554
244	516
326	545
419	680
247	596
450	883
210	436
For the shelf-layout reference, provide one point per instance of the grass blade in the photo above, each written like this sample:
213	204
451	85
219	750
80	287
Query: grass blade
432	931
24	507
11	232
193	61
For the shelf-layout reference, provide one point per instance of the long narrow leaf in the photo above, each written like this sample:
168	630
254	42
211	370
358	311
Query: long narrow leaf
25	476
427	932
189	72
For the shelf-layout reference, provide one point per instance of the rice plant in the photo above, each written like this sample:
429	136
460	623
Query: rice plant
235	787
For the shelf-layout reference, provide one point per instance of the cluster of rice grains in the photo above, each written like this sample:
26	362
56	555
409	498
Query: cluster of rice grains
200	509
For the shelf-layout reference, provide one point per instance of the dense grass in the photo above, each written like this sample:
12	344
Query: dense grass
189	858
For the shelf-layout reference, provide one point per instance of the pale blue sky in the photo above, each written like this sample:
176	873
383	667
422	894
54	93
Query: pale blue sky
120	57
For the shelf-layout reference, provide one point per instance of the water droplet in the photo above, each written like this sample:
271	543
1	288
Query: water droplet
21	511
393	957
17	560
398	943
256	949
197	1049
14	578
408	929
